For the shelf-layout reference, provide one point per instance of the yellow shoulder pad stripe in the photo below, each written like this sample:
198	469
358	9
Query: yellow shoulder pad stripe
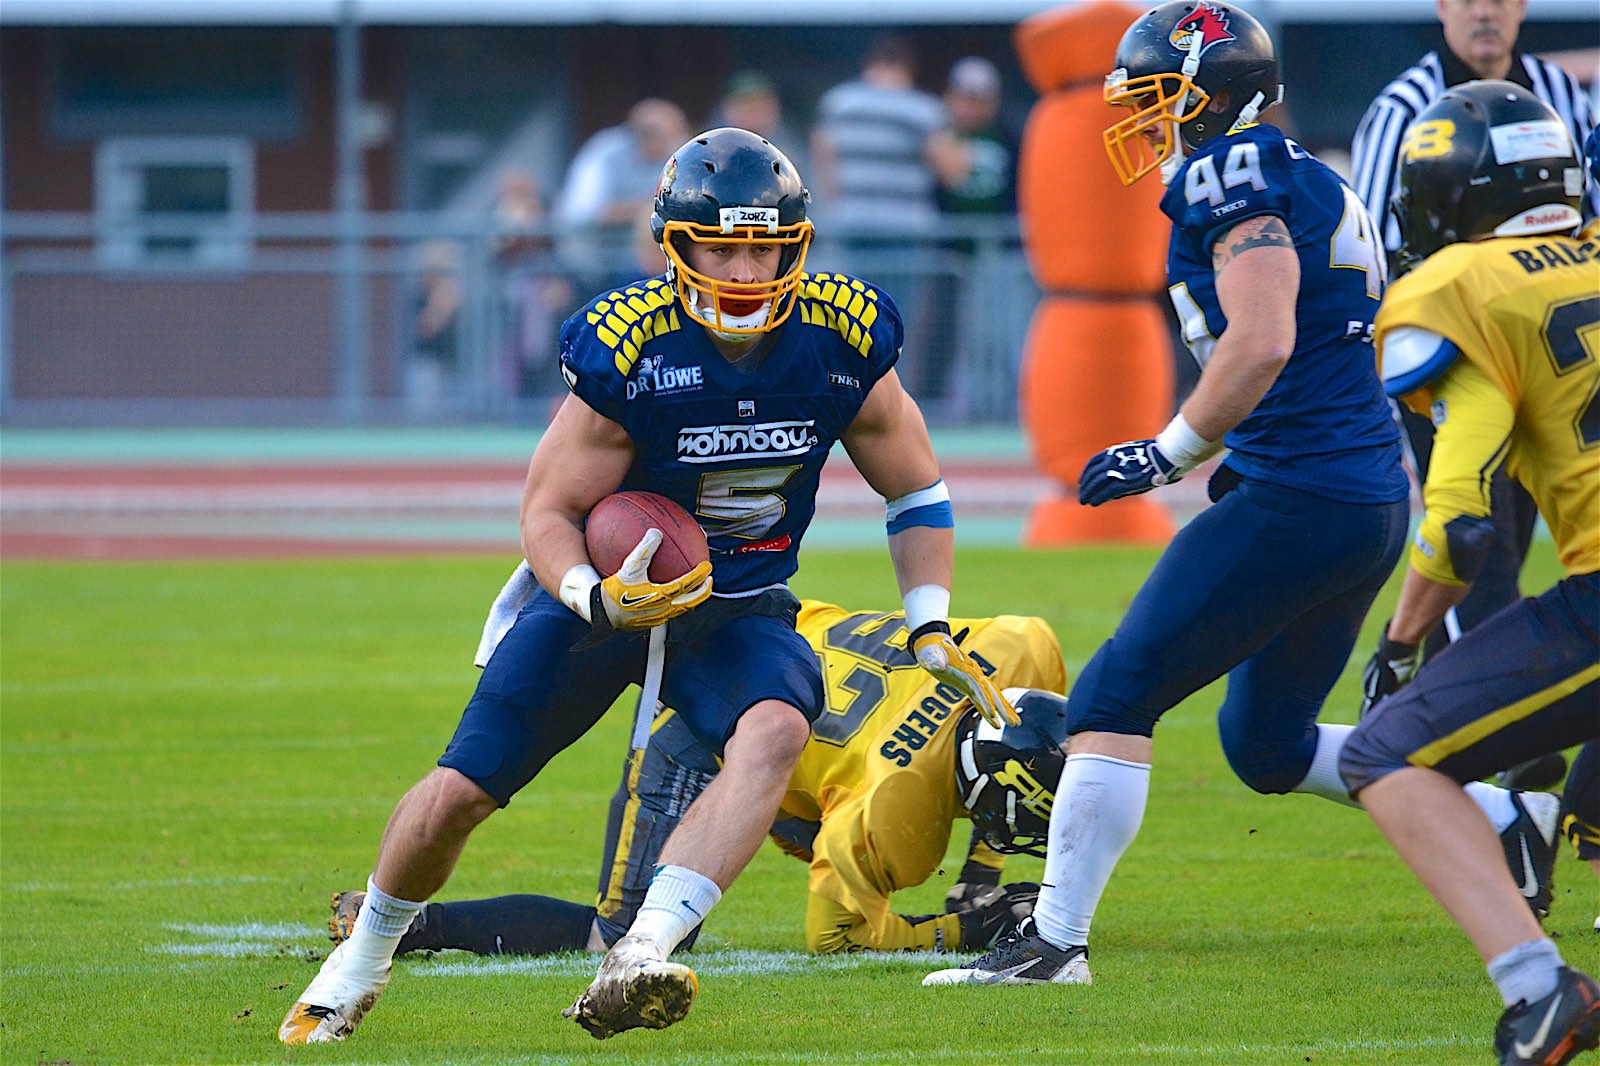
847	306
627	319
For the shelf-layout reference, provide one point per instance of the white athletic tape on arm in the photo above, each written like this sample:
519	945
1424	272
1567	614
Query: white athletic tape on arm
577	585
924	604
1180	443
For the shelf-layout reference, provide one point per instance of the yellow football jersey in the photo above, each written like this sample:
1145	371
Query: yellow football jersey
879	771
1525	314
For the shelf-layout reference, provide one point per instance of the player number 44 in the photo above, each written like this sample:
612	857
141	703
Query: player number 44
1241	167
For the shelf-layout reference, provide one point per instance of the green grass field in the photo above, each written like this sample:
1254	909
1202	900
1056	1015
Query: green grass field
194	755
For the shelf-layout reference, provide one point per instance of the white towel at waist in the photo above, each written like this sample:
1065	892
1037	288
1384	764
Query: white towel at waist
519	589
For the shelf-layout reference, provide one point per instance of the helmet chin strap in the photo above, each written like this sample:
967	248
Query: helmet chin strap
1174	161
1247	114
1191	66
1258	103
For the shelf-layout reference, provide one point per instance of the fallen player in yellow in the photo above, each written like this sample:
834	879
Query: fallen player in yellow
894	759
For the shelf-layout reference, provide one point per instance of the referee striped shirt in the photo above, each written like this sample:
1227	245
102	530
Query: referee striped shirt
1375	154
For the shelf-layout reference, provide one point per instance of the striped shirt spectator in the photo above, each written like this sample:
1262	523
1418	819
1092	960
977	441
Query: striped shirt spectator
1375	152
874	148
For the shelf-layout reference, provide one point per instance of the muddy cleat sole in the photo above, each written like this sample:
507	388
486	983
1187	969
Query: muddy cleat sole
1529	844
332	1005
635	989
346	907
1021	957
1553	1029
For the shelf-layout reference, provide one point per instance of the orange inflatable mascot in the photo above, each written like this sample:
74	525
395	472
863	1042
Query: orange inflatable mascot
1097	368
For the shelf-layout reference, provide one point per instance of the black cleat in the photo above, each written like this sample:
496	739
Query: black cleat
1551	1030
1021	957
1530	847
1535	775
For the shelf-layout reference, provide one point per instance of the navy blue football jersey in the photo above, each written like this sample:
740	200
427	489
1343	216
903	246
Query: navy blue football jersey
741	452
1324	426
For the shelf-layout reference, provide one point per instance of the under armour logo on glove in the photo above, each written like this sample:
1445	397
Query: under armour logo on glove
1126	469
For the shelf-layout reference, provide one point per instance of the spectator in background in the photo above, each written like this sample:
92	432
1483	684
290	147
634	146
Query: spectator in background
977	179
750	101
880	149
430	374
983	178
537	295
610	184
1480	42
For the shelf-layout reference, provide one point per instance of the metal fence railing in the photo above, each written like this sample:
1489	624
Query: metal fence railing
458	321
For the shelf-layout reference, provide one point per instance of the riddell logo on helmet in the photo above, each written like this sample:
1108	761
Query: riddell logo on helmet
1546	217
1209	22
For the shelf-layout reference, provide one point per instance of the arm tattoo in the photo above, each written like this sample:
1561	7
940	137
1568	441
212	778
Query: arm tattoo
1264	231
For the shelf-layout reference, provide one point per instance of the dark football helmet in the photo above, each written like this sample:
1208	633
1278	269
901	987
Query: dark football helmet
1190	71
1486	159
729	186
1007	775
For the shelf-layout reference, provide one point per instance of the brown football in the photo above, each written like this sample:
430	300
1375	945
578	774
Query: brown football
619	522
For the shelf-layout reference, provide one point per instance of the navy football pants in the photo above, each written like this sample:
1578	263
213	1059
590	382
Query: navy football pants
540	693
1269	586
1522	684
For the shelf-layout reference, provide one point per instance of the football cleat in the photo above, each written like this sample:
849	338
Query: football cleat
1550	1031
346	907
1022	957
635	988
1530	847
333	1004
1535	775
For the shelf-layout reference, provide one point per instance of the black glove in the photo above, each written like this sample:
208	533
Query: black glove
975	878
994	911
1390	667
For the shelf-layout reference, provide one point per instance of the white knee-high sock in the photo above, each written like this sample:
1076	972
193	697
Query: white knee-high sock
380	925
1098	807
1323	779
677	900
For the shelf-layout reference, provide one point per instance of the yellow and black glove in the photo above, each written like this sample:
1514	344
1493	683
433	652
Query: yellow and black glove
629	600
940	654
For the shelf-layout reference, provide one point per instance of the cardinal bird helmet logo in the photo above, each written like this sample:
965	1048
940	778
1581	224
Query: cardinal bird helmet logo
1211	23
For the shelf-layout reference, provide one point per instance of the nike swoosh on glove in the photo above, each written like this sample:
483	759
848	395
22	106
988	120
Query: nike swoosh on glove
629	600
1126	469
940	654
1390	667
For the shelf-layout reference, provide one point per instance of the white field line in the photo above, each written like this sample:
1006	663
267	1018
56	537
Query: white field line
135	886
200	683
222	941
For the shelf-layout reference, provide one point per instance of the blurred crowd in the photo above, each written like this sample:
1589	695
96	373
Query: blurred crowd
884	160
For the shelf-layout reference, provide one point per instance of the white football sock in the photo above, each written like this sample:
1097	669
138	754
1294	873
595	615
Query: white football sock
678	900
1323	779
1495	802
383	920
1526	973
1098	807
